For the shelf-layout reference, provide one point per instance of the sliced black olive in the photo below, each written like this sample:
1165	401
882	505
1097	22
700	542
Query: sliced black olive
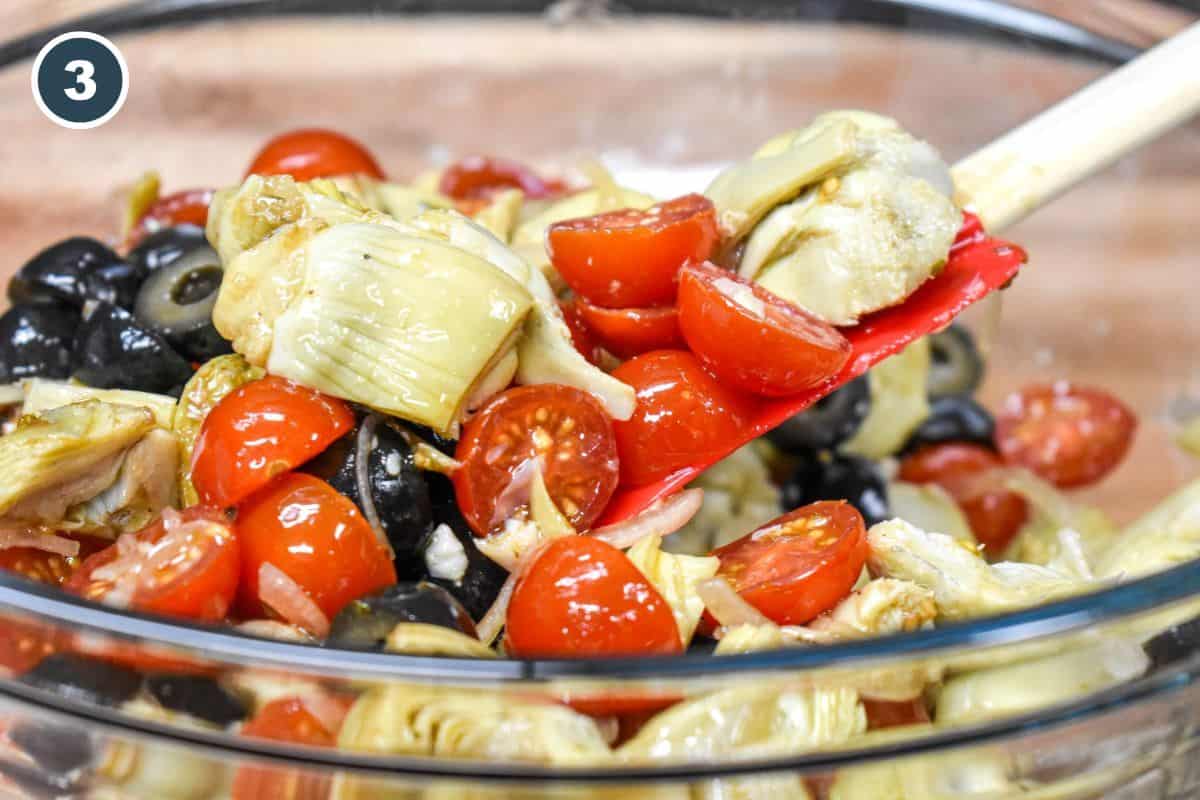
36	341
177	300
395	491
438	441
198	696
831	421
113	351
165	247
57	749
83	679
1174	644
956	367
365	623
74	271
830	476
480	584
955	418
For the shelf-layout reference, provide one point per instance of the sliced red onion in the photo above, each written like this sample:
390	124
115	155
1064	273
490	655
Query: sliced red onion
274	629
661	519
516	494
492	622
286	598
726	605
38	539
363	445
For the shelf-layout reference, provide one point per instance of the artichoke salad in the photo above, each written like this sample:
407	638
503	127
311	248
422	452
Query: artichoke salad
389	416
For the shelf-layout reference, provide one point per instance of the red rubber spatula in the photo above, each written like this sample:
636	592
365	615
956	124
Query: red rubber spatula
999	184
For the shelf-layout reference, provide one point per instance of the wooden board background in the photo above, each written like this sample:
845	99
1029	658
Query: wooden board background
1110	296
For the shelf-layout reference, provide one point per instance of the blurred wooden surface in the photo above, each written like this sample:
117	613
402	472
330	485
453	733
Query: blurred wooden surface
1109	297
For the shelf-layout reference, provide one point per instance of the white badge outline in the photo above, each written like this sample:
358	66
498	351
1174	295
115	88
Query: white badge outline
106	44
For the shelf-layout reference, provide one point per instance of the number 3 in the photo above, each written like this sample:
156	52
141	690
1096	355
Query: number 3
84	70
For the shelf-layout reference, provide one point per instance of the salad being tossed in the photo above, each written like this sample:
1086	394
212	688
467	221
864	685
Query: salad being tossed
330	407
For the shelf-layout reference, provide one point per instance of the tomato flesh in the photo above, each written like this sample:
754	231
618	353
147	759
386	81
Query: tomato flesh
23	644
629	332
683	415
582	597
284	720
800	565
632	258
189	207
314	535
1069	435
560	431
314	153
46	567
260	430
581	335
479	177
994	515
183	565
751	338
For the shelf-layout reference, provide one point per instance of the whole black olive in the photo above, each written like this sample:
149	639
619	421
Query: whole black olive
74	271
956	366
395	491
365	623
113	351
165	246
830	476
198	696
480	583
36	341
84	679
828	423
58	749
1174	644
177	300
955	418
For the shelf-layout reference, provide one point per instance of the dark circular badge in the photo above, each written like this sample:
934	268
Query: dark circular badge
80	80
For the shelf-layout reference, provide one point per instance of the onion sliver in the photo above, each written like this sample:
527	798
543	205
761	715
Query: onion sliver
287	599
661	519
727	606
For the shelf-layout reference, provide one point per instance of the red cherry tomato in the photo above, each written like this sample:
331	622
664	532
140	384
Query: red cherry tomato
1069	435
479	177
314	535
260	430
632	258
561	431
189	207
892	713
23	644
141	657
45	567
314	153
995	515
284	720
683	415
183	565
581	334
753	339
800	565
582	597
629	332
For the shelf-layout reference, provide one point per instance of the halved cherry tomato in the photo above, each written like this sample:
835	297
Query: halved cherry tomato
479	177
683	415
892	713
801	564
629	332
45	567
1069	435
284	720
581	334
141	656
183	565
995	515
259	430
754	339
582	597
317	537
561	431
620	703
314	153
631	258
23	644
189	207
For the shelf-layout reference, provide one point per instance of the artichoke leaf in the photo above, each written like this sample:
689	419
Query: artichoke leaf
42	395
930	507
739	497
899	403
1167	535
675	577
499	216
423	639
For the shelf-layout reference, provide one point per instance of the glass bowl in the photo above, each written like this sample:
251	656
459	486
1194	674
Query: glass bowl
664	92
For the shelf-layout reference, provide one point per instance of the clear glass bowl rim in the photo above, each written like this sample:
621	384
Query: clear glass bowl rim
988	18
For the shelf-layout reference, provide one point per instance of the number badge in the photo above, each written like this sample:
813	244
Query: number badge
80	80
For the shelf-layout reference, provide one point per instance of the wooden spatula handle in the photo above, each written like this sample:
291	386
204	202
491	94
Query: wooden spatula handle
1032	164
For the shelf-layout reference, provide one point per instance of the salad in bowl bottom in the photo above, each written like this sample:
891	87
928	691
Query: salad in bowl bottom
307	480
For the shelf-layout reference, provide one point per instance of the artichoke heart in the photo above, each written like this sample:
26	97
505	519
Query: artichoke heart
43	395
91	466
847	216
